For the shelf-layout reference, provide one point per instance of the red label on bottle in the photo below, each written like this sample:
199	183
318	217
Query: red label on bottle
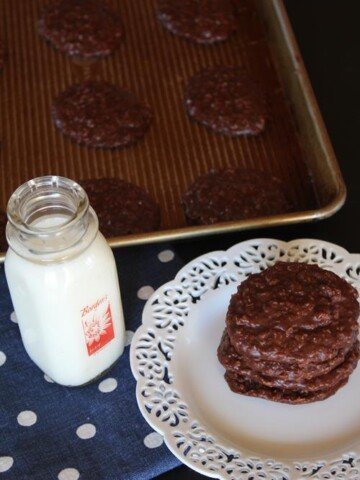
97	324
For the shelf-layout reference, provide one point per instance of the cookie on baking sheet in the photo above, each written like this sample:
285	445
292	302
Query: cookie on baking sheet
201	21
293	313
226	100
122	207
101	115
81	28
233	194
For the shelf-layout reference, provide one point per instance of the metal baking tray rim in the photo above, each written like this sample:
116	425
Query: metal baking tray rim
228	227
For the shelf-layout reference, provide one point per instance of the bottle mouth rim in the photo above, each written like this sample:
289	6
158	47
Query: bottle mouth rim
30	189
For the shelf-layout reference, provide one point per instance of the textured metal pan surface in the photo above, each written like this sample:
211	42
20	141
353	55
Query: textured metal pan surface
156	65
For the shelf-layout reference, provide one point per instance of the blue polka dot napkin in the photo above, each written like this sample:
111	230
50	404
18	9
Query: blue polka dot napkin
95	432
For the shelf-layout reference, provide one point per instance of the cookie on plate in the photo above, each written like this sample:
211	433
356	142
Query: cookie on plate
234	194
101	115
291	334
293	313
279	371
81	28
122	207
226	100
201	21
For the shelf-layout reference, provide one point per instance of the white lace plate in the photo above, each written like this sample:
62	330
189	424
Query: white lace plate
182	393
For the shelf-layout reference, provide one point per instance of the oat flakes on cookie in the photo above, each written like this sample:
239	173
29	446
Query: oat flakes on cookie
82	28
226	100
293	313
201	21
234	194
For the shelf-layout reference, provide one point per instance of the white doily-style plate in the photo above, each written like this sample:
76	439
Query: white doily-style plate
182	393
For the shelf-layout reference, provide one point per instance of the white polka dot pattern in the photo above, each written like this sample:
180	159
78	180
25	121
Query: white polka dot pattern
153	440
145	292
6	463
128	337
27	418
69	474
108	385
166	256
86	431
2	358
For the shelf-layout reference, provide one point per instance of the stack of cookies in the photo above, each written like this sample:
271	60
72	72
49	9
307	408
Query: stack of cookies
291	334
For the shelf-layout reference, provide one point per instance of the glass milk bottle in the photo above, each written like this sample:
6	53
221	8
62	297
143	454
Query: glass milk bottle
63	281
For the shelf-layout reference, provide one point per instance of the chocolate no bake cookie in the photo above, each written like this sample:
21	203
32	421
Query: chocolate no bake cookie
293	296
238	364
81	28
235	362
226	100
293	313
291	334
122	207
201	21
101	115
250	388
234	194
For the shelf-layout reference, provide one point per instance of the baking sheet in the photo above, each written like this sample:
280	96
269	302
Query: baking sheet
156	65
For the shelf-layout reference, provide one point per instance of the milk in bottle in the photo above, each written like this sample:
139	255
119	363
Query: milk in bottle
63	281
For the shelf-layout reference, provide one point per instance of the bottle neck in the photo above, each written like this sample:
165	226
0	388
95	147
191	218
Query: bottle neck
50	219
